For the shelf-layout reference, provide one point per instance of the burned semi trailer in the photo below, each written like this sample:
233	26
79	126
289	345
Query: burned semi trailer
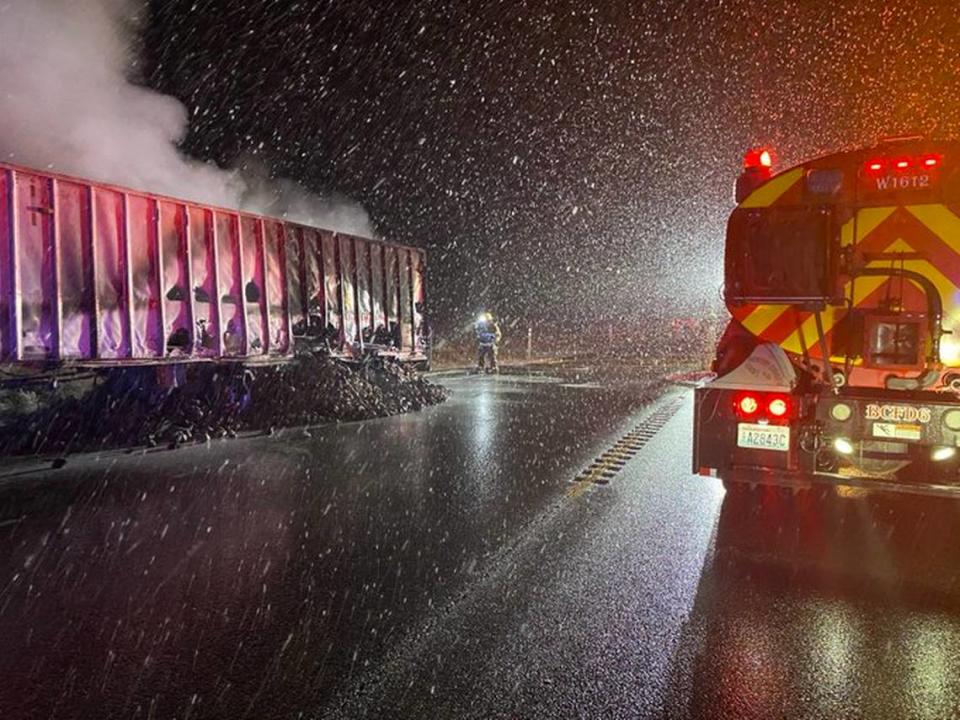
96	278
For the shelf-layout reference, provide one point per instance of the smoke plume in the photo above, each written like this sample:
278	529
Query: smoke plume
285	198
68	105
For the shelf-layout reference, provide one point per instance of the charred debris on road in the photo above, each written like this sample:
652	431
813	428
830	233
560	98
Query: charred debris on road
123	410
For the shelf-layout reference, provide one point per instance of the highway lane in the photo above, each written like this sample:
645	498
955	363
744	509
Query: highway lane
582	618
443	564
251	578
659	595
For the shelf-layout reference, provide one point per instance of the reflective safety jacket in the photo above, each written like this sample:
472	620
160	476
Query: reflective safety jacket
488	334
487	339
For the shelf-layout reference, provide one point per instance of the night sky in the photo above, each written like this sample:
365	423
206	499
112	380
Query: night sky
562	161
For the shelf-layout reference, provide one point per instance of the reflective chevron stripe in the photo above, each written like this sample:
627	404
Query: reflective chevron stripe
772	190
930	231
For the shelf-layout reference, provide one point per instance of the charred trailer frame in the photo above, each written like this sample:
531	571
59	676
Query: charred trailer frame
94	276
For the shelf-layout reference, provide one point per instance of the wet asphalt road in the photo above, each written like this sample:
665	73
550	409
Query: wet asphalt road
442	564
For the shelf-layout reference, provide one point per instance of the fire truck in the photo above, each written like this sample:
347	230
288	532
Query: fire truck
841	361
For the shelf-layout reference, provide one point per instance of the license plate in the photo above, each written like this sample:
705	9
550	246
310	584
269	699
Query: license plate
763	437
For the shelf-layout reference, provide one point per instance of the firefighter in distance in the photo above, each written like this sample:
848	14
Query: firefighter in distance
488	336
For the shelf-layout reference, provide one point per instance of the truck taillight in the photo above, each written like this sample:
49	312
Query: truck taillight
746	405
769	407
778	407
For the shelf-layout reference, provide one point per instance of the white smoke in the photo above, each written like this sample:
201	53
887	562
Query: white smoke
285	198
67	105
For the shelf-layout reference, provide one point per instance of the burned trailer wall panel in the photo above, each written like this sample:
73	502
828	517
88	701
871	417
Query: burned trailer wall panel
406	304
255	301
94	274
348	290
175	278
8	325
364	315
144	277
333	323
313	287
35	263
204	290
77	307
296	281
392	289
419	300
110	282
233	324
377	291
274	236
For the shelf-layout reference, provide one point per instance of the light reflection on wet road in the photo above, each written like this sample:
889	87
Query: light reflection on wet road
254	576
434	565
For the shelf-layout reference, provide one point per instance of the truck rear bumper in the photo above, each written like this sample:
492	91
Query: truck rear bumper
897	465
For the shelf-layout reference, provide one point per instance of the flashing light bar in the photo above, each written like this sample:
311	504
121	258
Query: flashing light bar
877	166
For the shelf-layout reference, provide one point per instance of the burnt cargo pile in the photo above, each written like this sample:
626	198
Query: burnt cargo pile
127	410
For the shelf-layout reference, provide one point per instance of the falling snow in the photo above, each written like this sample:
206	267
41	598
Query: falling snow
602	137
567	165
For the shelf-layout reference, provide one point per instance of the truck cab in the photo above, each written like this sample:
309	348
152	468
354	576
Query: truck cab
840	362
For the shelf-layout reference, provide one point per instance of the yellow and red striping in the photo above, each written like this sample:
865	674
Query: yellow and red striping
920	237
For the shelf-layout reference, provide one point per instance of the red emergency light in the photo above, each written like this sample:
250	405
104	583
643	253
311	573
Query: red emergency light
757	164
757	158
